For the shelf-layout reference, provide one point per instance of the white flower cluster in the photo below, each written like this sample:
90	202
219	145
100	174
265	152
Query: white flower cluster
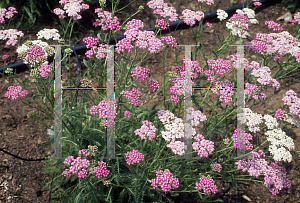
271	122
279	140
174	130
254	119
238	26
48	34
222	15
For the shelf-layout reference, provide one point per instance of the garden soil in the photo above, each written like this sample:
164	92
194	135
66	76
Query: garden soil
21	136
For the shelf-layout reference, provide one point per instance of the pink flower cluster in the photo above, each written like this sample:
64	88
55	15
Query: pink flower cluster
209	25
105	20
247	137
238	23
98	50
147	129
169	40
15	92
134	157
196	116
34	56
273	25
11	35
220	66
264	76
163	24
296	19
225	89
251	88
207	2
140	72
143	39
134	96
76	165
204	147
165	180
85	82
5	57
207	184
7	14
217	167
257	3
277	58
72	8
101	170
282	43
234	58
103	110
45	69
85	152
163	9
293	102
275	176
189	16
127	113
181	84
279	114
153	85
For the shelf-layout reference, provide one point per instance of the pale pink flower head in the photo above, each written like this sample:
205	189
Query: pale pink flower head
189	16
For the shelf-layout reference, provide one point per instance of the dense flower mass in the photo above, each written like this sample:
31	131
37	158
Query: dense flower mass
277	43
275	176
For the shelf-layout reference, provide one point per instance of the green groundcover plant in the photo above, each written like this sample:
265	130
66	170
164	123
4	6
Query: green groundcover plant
151	140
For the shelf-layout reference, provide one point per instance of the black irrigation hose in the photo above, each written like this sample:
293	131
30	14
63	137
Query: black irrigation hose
81	49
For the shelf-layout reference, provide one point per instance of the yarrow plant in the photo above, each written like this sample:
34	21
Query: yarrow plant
117	148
